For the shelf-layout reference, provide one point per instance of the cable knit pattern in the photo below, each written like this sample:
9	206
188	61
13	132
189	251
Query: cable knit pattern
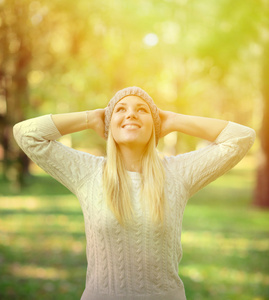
141	260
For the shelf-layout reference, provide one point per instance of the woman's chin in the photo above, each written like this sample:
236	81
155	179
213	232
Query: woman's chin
132	143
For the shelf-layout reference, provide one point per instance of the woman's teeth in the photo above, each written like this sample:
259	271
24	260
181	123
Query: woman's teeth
131	126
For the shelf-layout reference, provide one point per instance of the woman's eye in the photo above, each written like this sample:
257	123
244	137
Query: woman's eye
142	109
120	109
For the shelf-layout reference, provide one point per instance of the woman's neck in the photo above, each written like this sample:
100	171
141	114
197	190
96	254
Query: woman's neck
132	158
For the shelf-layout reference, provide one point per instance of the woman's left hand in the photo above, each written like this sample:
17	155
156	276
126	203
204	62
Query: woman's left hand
166	122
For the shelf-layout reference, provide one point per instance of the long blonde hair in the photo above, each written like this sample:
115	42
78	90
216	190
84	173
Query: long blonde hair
116	182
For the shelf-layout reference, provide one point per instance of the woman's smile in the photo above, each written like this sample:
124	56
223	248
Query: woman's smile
131	126
131	122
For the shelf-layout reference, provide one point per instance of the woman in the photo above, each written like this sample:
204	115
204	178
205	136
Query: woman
133	201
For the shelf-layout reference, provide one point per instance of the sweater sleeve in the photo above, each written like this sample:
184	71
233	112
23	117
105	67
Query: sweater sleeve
198	168
37	138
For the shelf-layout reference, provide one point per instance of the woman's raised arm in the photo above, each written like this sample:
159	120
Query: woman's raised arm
37	137
77	121
202	127
229	144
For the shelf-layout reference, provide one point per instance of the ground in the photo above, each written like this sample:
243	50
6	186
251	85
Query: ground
225	241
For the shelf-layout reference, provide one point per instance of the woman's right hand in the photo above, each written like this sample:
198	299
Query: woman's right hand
97	121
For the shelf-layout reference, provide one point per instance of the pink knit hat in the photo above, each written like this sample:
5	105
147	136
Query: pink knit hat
134	91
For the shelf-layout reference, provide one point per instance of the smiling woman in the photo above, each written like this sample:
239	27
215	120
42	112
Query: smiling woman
134	126
131	125
132	200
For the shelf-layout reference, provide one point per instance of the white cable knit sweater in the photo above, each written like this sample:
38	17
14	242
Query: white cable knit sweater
141	260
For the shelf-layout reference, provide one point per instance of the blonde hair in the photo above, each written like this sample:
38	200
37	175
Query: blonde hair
116	182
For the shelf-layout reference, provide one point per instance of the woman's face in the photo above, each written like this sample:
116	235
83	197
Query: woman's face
131	122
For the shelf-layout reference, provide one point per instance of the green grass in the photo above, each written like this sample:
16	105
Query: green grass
225	242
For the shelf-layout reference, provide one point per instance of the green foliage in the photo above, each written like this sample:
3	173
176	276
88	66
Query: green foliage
194	57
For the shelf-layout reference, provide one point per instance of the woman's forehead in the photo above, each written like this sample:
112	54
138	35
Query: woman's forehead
132	100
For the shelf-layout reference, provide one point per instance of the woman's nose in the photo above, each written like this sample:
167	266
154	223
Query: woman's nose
131	114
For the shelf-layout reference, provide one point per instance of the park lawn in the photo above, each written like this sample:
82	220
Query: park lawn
225	242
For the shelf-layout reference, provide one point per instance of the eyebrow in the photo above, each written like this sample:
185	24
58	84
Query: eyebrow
140	104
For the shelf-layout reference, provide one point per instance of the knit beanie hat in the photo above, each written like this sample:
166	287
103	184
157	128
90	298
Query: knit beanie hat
133	91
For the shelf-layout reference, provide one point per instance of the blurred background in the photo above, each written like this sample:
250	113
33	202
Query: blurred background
206	58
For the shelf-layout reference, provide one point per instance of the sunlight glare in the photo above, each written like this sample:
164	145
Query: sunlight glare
34	271
151	39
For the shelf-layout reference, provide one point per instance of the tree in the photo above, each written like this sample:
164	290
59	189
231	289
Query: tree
14	69
262	185
68	55
244	26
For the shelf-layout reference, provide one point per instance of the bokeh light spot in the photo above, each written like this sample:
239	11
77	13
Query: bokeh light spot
151	39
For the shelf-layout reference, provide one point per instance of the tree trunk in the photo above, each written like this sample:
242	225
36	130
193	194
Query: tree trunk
262	186
14	69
